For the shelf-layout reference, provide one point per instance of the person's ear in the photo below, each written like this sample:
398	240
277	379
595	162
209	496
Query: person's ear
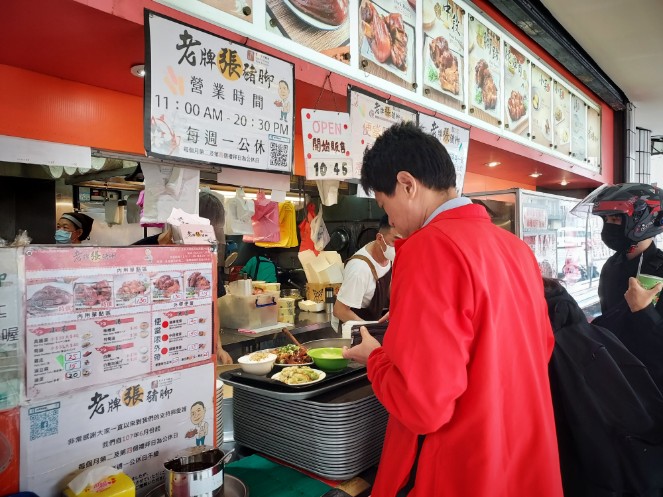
407	182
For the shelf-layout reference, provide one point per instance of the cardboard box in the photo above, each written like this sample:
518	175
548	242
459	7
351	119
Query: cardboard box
316	291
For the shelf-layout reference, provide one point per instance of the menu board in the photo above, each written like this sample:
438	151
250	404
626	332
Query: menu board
593	136
326	136
485	72
210	100
387	39
444	52
516	91
132	425
95	315
454	138
541	107
370	117
578	128
325	30
561	117
11	328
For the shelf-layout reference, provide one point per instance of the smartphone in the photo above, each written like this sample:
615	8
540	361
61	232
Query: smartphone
377	330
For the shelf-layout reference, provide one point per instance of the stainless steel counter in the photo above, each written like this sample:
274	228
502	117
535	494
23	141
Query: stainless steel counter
308	326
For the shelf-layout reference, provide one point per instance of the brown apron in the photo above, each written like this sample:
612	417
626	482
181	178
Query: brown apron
380	298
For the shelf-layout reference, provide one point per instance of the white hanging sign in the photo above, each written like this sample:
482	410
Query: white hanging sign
326	136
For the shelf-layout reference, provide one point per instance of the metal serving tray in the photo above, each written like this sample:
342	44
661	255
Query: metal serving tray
264	385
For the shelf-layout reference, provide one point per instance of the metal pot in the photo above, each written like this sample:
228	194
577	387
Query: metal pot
196	472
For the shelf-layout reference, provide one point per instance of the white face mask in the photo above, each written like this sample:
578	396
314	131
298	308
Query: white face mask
389	252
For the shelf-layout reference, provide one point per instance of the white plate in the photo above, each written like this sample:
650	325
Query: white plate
300	364
321	376
311	21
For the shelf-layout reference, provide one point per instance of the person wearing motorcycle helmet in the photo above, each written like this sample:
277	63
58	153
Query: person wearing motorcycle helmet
632	216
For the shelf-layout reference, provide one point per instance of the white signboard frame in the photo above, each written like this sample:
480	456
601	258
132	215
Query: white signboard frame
326	136
210	100
370	116
455	139
134	426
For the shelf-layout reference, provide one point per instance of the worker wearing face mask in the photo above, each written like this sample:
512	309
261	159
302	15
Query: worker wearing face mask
364	293
73	228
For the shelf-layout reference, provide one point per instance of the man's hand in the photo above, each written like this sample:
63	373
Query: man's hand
361	352
384	318
223	357
637	297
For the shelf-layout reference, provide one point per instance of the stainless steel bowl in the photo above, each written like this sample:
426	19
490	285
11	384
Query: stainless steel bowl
196	472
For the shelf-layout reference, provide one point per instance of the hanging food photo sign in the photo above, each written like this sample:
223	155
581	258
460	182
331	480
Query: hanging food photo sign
370	116
444	52
454	138
210	100
593	137
541	107
485	72
326	137
387	39
516	94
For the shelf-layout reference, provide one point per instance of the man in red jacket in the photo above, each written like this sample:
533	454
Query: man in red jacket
463	369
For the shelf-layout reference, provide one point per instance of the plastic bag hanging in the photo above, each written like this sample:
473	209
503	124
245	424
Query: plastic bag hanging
265	220
239	211
306	242
319	233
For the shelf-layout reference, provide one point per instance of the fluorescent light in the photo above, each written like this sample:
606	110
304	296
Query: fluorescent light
536	174
493	163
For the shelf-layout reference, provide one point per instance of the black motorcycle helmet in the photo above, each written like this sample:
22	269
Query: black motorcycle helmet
639	204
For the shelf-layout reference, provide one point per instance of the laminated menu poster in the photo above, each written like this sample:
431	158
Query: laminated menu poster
322	25
454	138
516	91
134	425
101	314
387	39
541	107
11	328
561	118
211	100
593	137
370	116
485	72
444	52
578	128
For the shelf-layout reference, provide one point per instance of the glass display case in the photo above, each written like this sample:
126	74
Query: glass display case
566	246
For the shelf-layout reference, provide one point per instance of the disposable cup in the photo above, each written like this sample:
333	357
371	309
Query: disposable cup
648	281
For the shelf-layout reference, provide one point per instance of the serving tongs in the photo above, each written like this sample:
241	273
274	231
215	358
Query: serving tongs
293	339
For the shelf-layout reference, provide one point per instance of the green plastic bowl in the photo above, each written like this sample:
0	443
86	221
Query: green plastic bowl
329	359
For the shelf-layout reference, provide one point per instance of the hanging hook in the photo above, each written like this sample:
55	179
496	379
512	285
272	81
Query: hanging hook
331	89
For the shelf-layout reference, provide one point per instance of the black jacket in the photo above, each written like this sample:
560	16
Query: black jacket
609	412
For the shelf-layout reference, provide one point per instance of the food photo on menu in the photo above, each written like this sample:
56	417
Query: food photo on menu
47	298
198	284
485	73
386	31
444	41
516	85
166	286
132	289
90	293
322	25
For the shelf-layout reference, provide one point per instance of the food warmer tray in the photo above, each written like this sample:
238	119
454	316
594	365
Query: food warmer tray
268	387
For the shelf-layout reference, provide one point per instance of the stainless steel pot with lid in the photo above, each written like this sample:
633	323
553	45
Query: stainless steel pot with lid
196	472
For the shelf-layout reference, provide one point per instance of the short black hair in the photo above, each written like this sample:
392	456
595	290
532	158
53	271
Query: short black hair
384	223
406	147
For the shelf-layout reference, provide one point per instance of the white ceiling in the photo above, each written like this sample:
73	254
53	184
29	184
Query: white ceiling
625	39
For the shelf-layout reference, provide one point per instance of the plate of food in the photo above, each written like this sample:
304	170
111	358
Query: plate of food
299	375
292	355
326	15
444	67
517	110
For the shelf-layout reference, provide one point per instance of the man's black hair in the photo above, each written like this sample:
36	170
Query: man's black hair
384	223
406	147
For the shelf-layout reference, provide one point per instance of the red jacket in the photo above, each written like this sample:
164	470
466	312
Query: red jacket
465	362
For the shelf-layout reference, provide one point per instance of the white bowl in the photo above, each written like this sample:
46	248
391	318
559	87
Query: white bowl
260	367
